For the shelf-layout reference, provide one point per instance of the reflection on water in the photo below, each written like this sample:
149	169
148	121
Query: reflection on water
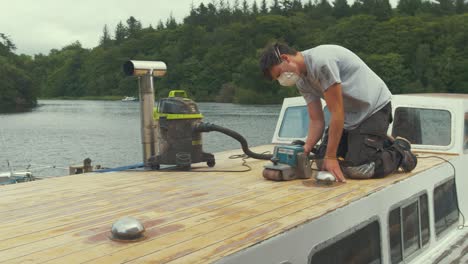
60	133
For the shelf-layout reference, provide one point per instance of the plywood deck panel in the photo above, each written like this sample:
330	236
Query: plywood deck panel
190	217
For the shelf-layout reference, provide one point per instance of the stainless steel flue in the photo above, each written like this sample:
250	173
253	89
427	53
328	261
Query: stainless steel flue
145	70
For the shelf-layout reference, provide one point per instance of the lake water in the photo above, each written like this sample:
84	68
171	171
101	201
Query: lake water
61	133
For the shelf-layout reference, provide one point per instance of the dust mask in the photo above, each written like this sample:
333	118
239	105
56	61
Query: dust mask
288	78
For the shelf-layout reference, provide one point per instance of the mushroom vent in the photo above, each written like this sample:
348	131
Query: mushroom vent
127	229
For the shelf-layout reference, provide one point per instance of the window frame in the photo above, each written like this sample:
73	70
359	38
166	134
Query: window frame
453	117
465	129
403	204
347	233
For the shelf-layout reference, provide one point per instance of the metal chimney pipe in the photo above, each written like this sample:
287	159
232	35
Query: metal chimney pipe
145	70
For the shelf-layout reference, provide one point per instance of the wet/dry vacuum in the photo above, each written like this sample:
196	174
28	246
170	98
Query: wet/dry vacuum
179	123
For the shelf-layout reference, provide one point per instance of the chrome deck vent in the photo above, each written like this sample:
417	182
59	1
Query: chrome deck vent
127	229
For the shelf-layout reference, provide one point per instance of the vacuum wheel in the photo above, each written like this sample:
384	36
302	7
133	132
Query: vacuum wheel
211	163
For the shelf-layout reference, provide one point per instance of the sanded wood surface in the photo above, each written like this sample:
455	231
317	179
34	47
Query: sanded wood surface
190	217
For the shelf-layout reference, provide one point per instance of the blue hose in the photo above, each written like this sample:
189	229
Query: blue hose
123	168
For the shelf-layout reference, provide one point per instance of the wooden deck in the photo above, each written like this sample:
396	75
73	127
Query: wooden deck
190	217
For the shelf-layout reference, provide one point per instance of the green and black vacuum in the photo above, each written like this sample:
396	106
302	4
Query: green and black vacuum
178	142
180	128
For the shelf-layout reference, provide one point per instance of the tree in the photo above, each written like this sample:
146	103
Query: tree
263	7
460	6
171	22
446	7
296	6
382	10
133	26
105	39
160	25
409	7
390	67
245	7
341	8
324	8
17	91
223	16
6	45
121	33
275	8
255	8
16	87
287	6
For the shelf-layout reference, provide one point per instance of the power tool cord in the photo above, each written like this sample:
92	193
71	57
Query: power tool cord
462	225
244	158
236	156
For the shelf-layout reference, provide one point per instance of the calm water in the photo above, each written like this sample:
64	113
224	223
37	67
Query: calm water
60	133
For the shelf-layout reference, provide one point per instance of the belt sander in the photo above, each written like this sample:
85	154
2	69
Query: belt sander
288	162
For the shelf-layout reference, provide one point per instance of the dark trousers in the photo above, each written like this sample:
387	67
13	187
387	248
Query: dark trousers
366	144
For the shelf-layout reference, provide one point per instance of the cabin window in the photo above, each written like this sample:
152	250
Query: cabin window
361	246
408	228
295	122
423	126
445	206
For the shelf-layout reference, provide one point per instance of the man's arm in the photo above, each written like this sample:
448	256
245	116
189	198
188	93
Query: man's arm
334	98
316	125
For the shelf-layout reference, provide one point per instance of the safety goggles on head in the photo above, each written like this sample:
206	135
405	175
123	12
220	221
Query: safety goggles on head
277	53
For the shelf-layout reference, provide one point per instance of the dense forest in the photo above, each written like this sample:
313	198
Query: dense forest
17	89
419	46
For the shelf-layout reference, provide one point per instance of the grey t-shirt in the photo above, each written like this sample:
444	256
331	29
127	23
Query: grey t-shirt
364	93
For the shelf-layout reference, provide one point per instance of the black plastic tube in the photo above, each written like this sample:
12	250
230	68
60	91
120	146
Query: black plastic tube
208	127
123	168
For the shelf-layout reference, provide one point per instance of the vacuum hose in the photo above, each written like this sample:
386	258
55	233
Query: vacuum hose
208	127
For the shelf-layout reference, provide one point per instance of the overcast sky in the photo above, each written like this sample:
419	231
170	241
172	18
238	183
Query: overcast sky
37	26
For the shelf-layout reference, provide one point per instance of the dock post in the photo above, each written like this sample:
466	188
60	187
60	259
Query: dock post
79	169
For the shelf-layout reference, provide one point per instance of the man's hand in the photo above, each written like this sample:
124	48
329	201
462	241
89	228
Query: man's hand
307	149
332	166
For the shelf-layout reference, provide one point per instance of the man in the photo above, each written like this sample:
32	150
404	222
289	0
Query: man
359	103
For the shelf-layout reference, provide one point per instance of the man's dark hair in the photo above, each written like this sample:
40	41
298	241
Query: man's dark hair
271	57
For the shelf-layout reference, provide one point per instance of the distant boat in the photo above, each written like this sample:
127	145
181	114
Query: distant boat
129	99
15	177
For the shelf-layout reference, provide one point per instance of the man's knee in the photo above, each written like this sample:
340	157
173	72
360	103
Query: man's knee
364	171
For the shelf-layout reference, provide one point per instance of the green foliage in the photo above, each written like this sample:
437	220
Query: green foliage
341	8
17	92
105	39
409	7
390	68
213	54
